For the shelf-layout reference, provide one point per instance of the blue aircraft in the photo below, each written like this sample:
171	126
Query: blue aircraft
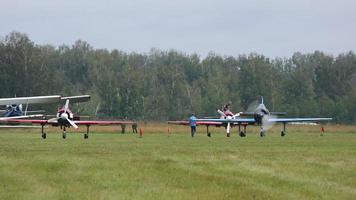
259	115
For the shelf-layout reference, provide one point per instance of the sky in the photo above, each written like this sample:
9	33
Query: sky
274	28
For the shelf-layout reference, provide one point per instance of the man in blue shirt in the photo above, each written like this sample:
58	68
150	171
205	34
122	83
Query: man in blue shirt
193	124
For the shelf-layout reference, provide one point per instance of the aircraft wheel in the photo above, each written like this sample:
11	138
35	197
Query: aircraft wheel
44	135
64	135
209	134
283	133
86	136
262	133
228	135
242	134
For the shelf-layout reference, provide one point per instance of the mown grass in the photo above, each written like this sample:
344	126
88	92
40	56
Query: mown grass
302	165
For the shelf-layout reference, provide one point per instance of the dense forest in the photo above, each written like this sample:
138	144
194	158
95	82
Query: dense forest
161	85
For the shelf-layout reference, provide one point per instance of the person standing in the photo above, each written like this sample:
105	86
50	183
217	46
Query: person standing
134	128
193	124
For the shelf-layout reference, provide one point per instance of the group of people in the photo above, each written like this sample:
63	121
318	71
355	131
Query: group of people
134	128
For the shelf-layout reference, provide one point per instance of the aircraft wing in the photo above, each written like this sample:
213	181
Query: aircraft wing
234	121
186	123
18	126
103	122
76	99
299	119
31	121
20	117
30	100
55	122
252	120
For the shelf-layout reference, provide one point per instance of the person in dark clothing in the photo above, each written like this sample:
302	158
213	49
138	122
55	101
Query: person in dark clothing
123	127
134	128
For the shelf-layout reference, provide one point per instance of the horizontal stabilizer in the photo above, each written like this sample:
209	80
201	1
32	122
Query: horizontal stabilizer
247	113
278	113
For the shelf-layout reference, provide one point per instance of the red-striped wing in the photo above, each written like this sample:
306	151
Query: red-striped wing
103	123
186	123
30	121
41	121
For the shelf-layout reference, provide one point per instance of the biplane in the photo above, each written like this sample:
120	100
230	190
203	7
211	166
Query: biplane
14	106
65	119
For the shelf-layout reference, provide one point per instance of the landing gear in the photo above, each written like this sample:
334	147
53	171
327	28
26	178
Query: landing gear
207	131
283	132
64	133
43	133
86	135
262	132
242	133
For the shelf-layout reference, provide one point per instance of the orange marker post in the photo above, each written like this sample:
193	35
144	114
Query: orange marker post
169	132
141	132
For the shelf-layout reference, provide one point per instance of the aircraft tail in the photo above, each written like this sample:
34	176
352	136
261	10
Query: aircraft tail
278	113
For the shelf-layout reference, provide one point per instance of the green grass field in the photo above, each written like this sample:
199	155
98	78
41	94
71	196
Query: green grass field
302	165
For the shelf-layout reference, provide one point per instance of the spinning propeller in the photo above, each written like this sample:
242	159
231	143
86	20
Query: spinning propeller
261	114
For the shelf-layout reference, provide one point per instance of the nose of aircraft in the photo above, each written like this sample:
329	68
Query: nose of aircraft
64	115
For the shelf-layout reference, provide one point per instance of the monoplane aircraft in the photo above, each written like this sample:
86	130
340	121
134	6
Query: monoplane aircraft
65	119
259	116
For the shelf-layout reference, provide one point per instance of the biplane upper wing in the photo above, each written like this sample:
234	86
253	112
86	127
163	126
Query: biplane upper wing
76	99
30	100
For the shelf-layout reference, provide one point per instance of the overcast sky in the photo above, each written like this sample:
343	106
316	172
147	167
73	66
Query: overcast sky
275	28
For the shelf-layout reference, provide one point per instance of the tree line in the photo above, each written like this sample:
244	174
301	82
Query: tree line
162	85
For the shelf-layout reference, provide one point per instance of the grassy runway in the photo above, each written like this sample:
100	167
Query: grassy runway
302	165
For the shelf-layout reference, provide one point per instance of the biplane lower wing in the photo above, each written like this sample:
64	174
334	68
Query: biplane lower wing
6	119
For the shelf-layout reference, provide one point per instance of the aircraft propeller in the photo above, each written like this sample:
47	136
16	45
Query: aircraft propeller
228	127
221	113
261	115
64	115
